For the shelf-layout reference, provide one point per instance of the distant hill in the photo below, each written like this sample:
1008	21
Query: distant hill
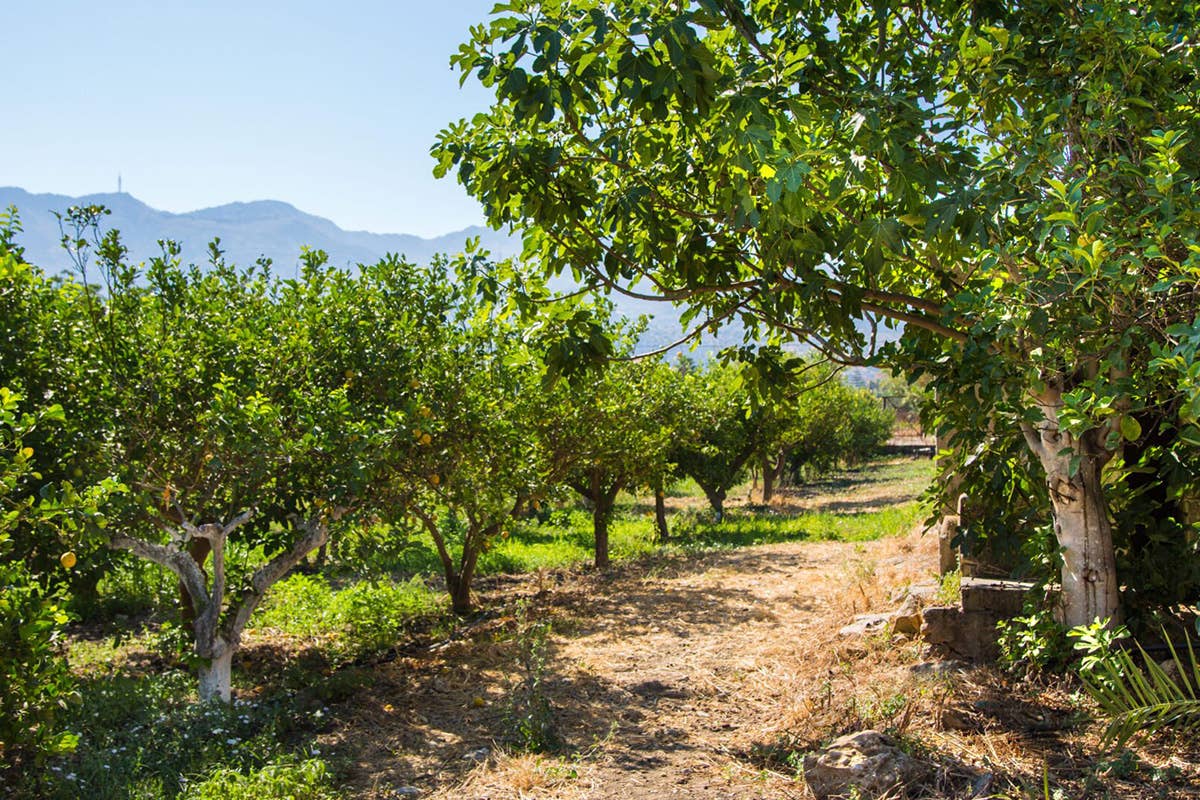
247	231
277	231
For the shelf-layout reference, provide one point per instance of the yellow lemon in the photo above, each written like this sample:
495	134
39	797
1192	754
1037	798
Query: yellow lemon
426	412
426	439
67	559
435	479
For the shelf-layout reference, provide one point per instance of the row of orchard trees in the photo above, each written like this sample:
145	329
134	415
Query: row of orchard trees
219	405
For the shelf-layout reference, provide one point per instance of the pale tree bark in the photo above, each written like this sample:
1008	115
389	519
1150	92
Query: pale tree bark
1073	467
217	635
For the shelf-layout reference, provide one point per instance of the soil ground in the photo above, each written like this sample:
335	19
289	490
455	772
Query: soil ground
709	676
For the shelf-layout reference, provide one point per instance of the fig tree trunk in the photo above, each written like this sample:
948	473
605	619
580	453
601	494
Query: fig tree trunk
1082	527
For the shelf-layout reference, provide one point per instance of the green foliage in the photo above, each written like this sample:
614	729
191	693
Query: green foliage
611	429
528	711
1033	643
828	424
723	430
1138	699
364	617
142	737
35	682
283	780
817	172
950	588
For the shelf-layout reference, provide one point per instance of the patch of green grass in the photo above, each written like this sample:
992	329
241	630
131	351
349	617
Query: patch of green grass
564	540
743	529
362	617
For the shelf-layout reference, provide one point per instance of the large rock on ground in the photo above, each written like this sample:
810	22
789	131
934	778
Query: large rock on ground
867	761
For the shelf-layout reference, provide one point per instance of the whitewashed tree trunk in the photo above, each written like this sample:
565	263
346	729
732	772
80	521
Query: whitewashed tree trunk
1073	473
216	678
218	635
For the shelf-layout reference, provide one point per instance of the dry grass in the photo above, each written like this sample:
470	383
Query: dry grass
708	676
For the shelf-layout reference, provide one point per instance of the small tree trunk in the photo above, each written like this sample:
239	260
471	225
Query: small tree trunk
768	474
716	499
772	470
660	515
1081	524
600	517
216	677
603	501
460	594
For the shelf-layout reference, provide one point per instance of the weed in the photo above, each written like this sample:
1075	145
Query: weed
1032	643
528	711
950	589
364	617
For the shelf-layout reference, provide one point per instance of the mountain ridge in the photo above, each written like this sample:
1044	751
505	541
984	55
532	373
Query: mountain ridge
248	230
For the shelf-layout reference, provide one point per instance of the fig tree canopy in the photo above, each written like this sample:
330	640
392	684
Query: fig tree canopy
1015	183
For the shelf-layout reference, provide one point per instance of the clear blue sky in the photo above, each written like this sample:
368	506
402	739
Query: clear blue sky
329	106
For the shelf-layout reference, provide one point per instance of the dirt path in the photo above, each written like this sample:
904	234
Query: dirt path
672	678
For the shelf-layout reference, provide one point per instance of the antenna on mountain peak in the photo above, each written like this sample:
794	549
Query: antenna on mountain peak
118	183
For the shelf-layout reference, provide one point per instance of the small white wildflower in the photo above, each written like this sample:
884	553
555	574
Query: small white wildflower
232	740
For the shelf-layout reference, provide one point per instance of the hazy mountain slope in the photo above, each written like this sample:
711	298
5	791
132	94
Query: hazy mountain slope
277	231
247	231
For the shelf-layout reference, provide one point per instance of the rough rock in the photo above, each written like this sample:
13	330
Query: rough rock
478	755
968	634
1001	598
926	593
936	668
907	618
868	762
864	624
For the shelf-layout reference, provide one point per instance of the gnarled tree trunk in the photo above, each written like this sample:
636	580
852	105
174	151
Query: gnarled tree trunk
217	635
